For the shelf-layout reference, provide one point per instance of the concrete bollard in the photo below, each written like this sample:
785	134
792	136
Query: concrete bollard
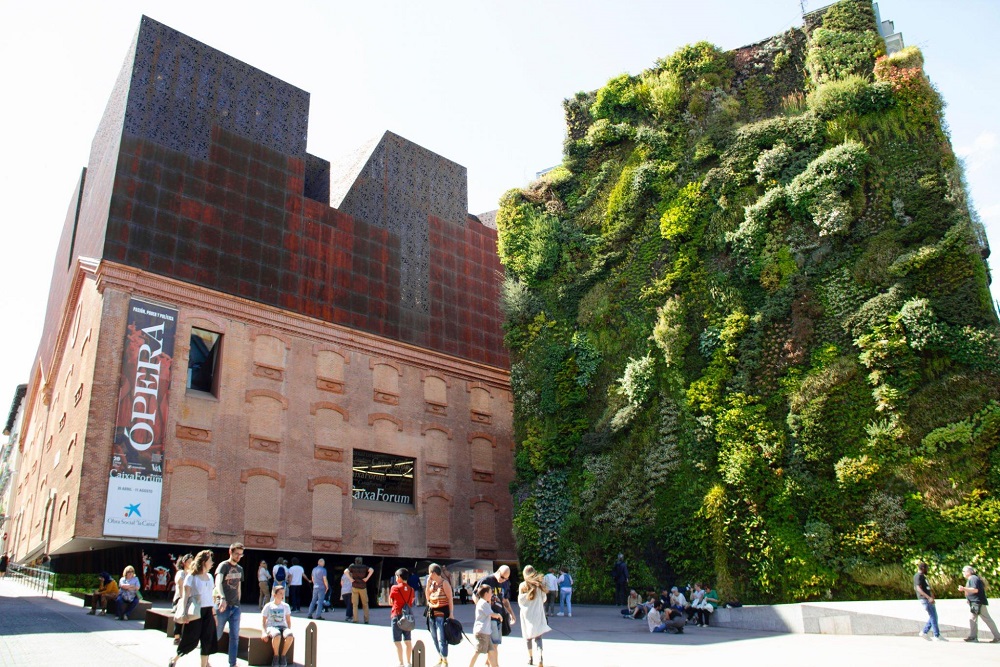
419	657
309	660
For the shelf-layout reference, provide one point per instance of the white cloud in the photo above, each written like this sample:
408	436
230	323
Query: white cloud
981	152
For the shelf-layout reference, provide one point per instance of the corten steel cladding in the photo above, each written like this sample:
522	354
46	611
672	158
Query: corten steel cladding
135	483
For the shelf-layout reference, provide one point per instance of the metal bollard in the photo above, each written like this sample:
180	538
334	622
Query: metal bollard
310	657
419	657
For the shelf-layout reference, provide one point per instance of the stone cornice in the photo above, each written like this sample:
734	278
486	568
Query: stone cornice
138	282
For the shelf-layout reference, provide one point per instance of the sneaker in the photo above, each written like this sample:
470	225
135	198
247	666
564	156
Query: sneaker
274	661
923	635
560	614
91	613
320	618
570	615
284	662
939	638
974	640
530	660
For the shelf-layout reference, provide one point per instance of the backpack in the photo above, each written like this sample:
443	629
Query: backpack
279	575
453	631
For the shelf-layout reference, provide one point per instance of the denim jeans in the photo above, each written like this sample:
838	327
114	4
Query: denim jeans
932	620
128	604
565	601
231	614
437	633
317	601
346	597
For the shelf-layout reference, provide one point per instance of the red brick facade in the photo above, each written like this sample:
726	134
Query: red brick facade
338	333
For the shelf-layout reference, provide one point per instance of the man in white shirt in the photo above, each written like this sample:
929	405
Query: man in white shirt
551	582
295	573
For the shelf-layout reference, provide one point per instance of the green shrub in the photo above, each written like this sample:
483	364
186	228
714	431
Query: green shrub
622	98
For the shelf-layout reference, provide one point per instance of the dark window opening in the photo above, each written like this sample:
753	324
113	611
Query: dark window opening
203	361
383	481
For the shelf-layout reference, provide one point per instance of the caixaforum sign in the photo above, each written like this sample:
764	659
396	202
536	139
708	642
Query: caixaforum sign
135	482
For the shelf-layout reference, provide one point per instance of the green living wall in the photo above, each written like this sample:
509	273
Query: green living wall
751	333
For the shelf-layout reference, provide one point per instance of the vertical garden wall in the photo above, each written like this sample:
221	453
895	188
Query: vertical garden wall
750	326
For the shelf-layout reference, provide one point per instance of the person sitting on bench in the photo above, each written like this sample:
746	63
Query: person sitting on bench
277	618
104	595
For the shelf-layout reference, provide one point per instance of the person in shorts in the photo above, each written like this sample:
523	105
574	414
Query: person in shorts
277	626
400	596
483	626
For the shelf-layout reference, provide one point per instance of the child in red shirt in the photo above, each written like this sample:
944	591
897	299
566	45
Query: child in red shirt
400	595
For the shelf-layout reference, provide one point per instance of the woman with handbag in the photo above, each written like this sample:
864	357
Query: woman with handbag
531	595
182	564
439	607
197	611
401	601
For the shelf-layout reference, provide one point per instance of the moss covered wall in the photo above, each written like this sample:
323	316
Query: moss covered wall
750	327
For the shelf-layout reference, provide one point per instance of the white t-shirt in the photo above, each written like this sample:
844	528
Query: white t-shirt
263	574
276	614
202	585
653	619
295	573
179	584
481	626
551	582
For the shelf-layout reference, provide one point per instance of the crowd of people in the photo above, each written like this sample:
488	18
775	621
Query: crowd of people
207	599
671	610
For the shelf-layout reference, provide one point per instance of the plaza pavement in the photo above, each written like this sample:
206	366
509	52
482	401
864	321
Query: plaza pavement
40	632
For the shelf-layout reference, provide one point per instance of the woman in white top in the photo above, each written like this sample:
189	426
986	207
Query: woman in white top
264	581
182	565
199	584
531	596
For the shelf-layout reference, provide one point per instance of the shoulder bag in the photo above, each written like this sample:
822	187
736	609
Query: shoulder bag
191	610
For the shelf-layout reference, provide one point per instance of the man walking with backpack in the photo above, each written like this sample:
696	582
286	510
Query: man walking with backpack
280	572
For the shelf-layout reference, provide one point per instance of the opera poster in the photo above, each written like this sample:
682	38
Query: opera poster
135	482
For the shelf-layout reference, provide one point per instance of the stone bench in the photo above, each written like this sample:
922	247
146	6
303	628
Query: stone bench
160	619
251	648
258	652
138	614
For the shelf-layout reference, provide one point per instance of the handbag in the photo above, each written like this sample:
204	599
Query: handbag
406	623
191	610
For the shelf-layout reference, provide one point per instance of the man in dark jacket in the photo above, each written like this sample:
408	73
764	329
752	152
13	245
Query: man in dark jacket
619	574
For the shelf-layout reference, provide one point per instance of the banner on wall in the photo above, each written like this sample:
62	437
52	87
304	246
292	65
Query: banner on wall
135	483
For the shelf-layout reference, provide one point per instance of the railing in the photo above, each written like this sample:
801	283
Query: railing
37	578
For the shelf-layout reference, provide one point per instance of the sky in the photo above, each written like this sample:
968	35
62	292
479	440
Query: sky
480	82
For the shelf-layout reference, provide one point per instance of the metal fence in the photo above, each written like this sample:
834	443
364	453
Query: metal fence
37	578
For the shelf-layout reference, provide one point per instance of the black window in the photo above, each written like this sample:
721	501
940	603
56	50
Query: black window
383	481
203	361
